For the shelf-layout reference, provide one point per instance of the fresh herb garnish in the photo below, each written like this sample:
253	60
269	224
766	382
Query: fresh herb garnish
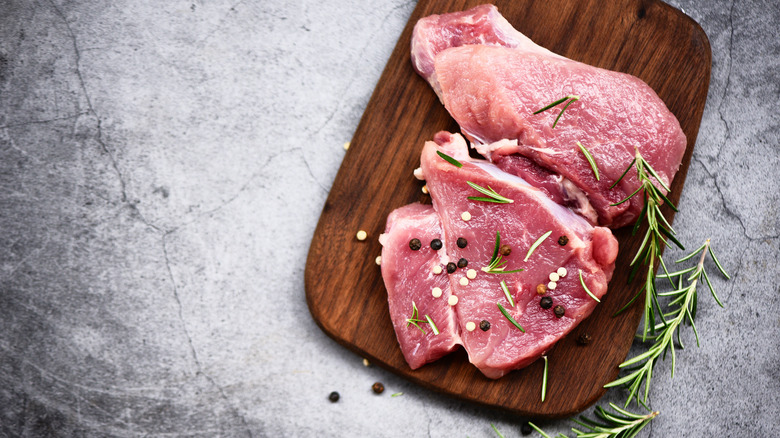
536	245
506	292
493	196
415	319
582	282
659	232
433	326
618	424
496	430
683	304
496	264
397	394
556	103
544	379
450	160
509	317
591	160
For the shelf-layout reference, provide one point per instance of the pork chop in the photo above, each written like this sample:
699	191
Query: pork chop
492	79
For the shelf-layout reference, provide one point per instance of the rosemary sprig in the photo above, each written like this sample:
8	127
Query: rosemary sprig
507	294
449	159
544	379
416	321
659	232
556	103
492	195
582	282
495	429
509	317
536	244
591	160
683	309
496	263
618	424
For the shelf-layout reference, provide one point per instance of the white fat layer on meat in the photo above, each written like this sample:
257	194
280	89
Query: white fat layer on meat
574	193
500	175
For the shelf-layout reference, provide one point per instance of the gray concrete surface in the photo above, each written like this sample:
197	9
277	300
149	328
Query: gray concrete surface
162	169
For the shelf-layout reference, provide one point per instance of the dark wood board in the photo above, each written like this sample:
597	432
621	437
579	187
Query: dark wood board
344	288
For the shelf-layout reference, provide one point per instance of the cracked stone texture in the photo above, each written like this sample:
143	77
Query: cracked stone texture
162	169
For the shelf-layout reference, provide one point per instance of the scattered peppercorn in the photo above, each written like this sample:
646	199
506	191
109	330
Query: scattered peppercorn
462	242
334	397
505	250
378	388
436	244
462	263
563	240
415	244
451	267
559	311
484	325
541	289
525	429
583	339
545	302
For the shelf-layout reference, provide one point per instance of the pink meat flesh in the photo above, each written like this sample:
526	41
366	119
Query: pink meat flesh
590	250
491	79
409	278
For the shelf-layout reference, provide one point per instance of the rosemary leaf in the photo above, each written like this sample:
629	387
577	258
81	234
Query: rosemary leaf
582	282
509	317
506	292
574	98
433	326
450	160
496	430
624	174
556	103
591	160
493	196
544	379
536	245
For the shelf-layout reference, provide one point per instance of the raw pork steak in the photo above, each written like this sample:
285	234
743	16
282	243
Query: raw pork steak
573	244
491	79
410	282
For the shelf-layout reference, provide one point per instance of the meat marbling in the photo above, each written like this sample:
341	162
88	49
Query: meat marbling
491	78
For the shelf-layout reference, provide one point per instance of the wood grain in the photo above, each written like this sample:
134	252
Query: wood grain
344	288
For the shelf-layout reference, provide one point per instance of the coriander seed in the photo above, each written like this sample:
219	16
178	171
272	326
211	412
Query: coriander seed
505	250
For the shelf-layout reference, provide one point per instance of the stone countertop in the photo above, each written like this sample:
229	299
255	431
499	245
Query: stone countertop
162	170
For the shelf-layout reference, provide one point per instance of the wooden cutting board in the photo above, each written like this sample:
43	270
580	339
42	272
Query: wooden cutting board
344	288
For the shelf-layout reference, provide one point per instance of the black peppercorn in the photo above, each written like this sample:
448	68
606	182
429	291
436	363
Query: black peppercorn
559	311
525	429
451	267
436	244
484	325
583	339
415	244
505	250
462	242
462	263
563	240
378	388
333	397
545	302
